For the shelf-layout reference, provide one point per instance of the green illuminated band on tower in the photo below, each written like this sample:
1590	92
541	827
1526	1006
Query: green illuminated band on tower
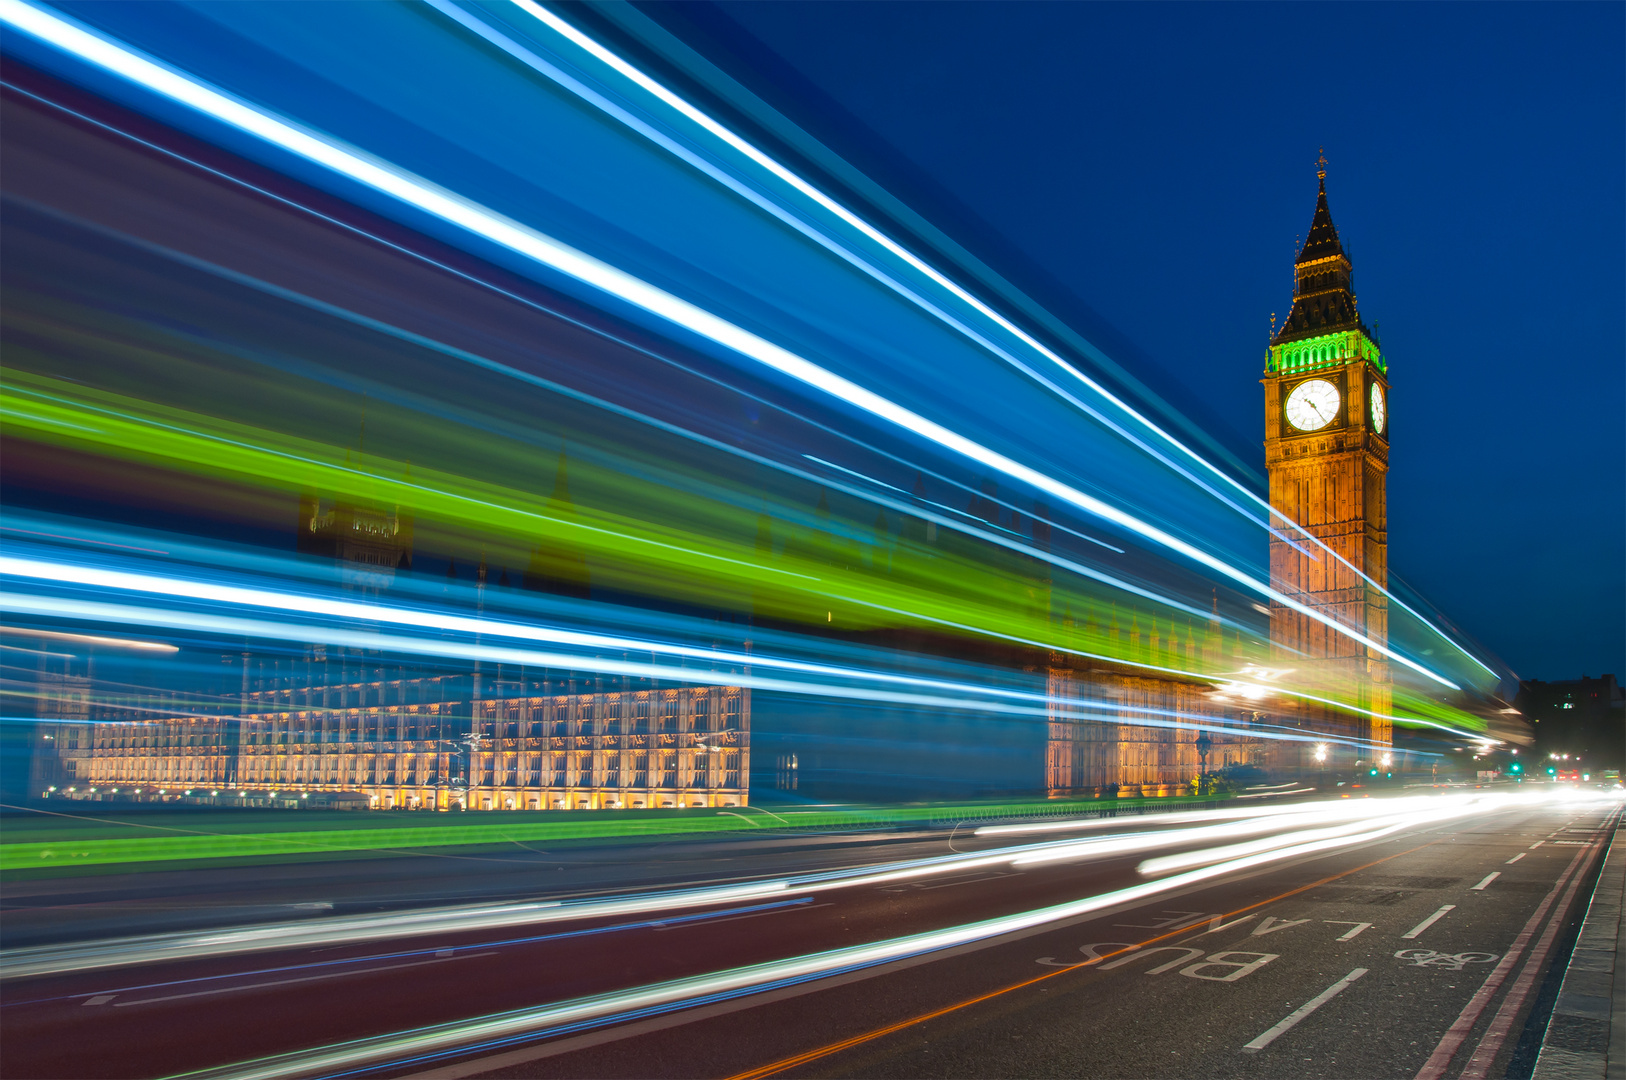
1325	351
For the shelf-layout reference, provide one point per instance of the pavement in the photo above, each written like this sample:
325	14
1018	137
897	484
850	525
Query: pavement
1420	954
1586	1036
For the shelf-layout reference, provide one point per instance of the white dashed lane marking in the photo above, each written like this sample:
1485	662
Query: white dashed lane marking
1302	1011
1411	935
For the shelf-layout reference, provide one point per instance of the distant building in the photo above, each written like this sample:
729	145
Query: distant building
314	728
1546	700
319	726
1584	718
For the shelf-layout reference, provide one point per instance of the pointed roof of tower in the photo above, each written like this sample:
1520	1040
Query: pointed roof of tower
1322	243
1323	280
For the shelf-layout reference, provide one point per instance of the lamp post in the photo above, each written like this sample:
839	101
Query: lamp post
1204	745
462	754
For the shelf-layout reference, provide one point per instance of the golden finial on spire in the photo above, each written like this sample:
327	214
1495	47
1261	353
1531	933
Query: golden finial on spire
1321	164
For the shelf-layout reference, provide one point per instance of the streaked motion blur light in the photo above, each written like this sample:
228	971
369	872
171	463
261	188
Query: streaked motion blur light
479	221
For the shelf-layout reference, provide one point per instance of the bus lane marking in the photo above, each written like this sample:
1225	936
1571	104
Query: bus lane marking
1222	959
1348	935
1177	920
1194	960
1271	925
1092	953
1161	968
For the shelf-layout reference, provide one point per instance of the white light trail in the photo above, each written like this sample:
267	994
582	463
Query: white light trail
954	696
356	929
1173	819
1358	832
238	596
479	221
811	231
788	176
598	1010
117	643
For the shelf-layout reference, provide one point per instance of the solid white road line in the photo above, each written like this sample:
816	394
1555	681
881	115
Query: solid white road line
287	982
1488	879
1411	934
1302	1011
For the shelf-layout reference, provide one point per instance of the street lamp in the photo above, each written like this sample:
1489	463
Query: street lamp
1204	744
1321	752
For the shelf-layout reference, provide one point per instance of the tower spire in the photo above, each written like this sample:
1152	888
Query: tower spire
1323	282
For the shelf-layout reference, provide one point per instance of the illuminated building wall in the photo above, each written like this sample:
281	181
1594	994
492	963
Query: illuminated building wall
1085	756
401	742
322	725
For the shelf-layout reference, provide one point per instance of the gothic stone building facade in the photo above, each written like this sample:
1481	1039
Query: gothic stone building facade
1327	451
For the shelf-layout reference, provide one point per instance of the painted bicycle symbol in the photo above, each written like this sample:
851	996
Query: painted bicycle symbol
1448	961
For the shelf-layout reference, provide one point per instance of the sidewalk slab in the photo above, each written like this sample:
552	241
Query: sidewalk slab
1586	1037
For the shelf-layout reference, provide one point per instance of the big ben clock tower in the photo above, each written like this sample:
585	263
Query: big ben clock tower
1327	449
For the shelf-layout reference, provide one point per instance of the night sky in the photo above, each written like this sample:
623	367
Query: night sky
1155	162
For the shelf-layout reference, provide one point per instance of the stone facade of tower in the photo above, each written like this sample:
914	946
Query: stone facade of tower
1327	449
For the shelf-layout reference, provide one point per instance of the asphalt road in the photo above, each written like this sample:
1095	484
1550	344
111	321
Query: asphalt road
1352	962
43	909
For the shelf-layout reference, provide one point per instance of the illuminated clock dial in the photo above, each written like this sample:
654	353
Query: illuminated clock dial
1380	414
1312	405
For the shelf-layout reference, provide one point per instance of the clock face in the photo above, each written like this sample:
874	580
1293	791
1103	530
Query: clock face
1312	405
1380	414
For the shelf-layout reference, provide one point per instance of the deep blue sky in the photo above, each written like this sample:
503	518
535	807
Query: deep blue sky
1156	161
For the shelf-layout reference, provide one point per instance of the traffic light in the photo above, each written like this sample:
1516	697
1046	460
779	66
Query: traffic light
1374	772
1515	767
1551	771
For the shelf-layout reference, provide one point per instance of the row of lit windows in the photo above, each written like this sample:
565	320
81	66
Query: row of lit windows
637	770
528	718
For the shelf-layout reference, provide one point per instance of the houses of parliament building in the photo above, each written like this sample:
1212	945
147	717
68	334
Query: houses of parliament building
343	727
347	730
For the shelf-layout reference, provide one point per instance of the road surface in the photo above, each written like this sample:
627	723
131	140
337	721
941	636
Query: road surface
1418	953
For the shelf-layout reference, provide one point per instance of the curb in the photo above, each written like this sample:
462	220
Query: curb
1586	1037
